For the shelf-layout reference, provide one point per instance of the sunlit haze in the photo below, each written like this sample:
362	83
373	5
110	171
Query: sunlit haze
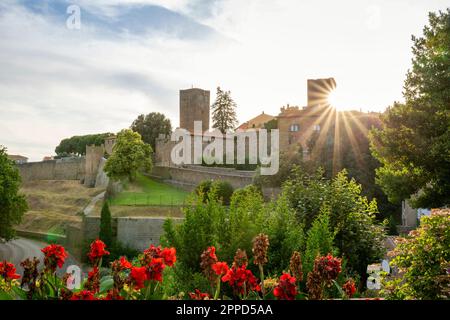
132	57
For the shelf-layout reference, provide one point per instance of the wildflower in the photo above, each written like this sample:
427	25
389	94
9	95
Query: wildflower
349	288
286	288
295	266
55	255
260	246
8	271
97	251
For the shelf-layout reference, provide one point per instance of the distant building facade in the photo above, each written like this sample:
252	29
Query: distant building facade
257	122
18	158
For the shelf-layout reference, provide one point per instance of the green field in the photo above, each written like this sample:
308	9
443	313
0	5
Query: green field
148	192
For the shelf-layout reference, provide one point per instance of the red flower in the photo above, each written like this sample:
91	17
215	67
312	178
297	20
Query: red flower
198	295
153	252
238	276
349	288
93	280
83	295
8	271
113	294
155	269
169	256
97	250
124	263
328	267
286	288
220	268
138	276
55	255
212	252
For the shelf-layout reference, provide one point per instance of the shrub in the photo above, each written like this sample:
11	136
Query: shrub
423	259
221	190
357	235
285	233
105	225
319	239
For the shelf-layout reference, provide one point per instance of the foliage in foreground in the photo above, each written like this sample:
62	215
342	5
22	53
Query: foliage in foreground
12	204
143	278
423	261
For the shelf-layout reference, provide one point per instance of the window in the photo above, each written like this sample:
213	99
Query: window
316	127
294	127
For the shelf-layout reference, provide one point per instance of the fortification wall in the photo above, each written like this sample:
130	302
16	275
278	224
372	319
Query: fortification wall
193	175
134	232
72	169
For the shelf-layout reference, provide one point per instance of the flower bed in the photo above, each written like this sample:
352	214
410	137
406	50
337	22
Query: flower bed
142	278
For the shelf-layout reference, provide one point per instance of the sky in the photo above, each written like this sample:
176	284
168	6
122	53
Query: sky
60	78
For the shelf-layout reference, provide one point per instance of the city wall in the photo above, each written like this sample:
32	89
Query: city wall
67	169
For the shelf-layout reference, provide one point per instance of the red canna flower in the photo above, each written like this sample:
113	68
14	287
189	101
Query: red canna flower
153	252
113	294
198	295
207	259
349	288
124	263
8	271
83	295
155	269
286	288
241	280
97	251
169	256
55	255
93	281
138	275
220	268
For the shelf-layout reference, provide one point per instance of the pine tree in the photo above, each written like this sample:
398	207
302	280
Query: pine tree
105	225
224	111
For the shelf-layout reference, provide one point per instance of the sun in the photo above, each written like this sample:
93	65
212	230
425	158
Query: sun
337	100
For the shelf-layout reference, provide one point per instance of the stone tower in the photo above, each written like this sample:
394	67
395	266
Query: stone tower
194	106
318	90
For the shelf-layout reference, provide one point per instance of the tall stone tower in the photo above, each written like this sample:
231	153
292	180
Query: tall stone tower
318	90
194	106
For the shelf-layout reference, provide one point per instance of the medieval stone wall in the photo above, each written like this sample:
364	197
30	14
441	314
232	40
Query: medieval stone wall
60	169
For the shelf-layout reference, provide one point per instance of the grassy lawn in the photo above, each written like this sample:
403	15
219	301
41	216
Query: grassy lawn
147	192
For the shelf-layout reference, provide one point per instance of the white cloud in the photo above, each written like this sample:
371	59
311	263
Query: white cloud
57	82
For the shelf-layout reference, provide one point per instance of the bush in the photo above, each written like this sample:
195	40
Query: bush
319	240
357	235
222	190
423	259
105	225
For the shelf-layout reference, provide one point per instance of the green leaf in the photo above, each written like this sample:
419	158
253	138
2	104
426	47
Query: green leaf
5	296
106	284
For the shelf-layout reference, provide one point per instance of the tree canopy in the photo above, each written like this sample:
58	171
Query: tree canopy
76	145
150	126
130	154
413	144
12	204
224	111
